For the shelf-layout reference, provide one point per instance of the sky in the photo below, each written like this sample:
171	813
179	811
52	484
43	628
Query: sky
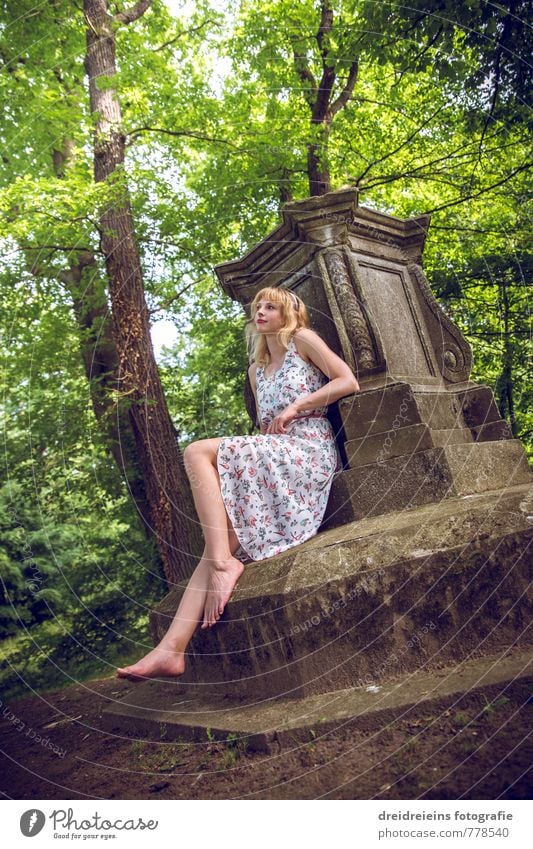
163	333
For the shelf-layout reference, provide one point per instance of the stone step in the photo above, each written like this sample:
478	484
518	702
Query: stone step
425	476
390	593
169	710
378	447
374	411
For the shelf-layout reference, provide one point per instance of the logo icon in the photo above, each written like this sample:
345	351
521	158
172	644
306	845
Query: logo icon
31	822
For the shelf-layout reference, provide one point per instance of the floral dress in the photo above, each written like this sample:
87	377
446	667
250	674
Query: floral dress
275	486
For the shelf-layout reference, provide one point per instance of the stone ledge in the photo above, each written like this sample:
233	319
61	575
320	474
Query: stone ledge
321	616
431	475
266	725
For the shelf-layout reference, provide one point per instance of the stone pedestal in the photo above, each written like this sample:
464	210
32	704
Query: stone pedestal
424	556
419	430
363	621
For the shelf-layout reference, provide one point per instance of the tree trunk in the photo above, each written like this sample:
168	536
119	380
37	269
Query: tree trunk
100	358
317	167
167	486
320	99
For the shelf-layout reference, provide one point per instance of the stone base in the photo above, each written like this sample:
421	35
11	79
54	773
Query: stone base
346	603
425	476
170	711
398	404
375	600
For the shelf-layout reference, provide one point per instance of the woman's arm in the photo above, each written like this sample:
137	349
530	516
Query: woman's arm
253	383
342	380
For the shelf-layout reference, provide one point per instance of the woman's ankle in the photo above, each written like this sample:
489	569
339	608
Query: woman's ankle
218	560
168	644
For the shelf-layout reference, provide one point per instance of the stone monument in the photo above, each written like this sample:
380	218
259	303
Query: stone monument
426	534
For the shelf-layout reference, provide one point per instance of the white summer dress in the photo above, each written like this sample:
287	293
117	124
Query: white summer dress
275	486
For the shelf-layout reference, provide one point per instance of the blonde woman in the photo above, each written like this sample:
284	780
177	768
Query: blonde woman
259	495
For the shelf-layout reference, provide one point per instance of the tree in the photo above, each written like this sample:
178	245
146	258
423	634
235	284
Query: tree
166	483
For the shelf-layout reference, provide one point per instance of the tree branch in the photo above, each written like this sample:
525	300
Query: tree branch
326	23
184	32
459	153
325	87
405	142
494	99
501	182
306	75
164	305
345	94
82	249
128	16
189	133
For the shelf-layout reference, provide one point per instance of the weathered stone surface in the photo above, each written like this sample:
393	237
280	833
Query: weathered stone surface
424	476
425	554
401	441
359	271
343	605
171	711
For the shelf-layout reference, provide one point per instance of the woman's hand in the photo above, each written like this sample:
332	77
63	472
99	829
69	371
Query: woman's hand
280	422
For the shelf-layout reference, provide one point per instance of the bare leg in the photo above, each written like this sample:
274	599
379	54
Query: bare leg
225	570
167	659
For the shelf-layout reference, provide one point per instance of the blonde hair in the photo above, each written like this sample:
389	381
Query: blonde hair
293	313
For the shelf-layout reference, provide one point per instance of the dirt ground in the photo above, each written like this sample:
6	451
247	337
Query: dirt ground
478	747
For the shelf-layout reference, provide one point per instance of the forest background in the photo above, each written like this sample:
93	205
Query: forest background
145	142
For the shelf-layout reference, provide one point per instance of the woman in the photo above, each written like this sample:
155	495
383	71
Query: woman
256	496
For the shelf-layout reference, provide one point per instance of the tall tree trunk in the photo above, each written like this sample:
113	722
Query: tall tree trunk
100	358
319	97
167	486
317	164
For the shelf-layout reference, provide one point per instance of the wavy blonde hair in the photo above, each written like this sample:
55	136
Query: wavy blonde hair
294	315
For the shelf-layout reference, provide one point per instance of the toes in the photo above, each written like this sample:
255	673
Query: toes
208	614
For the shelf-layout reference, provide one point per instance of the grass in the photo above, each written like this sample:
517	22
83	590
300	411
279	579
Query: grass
154	757
32	661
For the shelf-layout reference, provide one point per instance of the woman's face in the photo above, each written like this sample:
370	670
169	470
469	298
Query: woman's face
268	317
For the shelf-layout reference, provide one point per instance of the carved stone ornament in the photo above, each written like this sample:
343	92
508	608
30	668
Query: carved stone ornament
338	277
453	352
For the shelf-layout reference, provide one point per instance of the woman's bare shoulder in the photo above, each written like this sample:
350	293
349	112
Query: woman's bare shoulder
312	347
307	341
306	335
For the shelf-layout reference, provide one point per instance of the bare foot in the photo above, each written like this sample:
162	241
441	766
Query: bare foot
223	577
161	662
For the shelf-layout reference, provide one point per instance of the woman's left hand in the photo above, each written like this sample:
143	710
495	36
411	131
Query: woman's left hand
280	422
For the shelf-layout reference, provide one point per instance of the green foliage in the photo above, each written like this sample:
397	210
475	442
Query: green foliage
205	392
78	573
217	119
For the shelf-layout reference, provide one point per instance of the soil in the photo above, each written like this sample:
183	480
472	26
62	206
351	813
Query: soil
469	748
